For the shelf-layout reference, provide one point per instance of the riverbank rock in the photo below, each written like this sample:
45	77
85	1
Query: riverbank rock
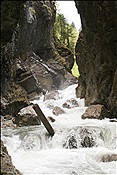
72	103
95	112
26	117
57	111
109	158
7	167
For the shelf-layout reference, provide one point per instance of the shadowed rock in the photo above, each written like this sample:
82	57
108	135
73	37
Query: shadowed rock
96	54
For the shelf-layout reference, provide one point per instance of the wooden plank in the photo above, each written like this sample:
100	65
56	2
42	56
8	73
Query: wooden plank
43	119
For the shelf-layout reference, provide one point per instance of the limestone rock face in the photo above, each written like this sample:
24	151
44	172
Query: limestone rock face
7	168
95	112
96	54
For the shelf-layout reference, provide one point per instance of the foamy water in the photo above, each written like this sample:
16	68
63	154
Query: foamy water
34	152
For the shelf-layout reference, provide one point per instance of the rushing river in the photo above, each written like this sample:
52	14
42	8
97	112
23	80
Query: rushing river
34	152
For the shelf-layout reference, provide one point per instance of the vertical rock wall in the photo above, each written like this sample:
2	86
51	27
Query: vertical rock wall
96	53
35	30
26	26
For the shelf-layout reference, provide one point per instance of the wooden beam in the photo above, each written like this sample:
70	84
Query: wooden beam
42	117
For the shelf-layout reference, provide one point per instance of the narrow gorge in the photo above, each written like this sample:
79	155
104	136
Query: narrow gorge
37	69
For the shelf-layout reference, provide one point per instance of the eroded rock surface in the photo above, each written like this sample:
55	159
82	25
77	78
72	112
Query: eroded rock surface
96	54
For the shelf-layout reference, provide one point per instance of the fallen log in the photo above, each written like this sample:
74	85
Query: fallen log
42	117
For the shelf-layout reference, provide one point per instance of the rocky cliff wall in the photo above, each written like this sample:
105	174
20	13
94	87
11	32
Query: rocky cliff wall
30	62
96	54
27	26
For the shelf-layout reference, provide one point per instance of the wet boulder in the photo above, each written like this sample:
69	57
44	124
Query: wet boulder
57	111
72	103
113	120
87	138
51	119
95	112
109	158
87	141
7	167
26	117
71	142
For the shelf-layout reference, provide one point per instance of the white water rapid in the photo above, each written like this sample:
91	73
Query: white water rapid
75	149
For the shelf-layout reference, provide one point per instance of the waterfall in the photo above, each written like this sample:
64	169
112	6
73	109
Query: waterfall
76	147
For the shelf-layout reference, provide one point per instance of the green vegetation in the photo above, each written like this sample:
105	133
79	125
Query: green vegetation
66	33
74	70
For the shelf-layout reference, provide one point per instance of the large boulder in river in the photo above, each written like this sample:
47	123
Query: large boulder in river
72	103
57	111
95	112
109	157
7	167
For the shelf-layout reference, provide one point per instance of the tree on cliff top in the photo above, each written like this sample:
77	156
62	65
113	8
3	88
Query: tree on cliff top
64	32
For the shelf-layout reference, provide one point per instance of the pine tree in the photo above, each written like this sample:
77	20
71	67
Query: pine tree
64	32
